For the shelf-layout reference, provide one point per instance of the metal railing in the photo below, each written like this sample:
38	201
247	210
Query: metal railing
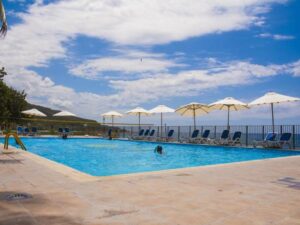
250	133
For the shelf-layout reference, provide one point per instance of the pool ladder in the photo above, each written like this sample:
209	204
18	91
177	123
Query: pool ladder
18	140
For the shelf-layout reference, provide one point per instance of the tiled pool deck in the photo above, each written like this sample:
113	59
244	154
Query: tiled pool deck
257	192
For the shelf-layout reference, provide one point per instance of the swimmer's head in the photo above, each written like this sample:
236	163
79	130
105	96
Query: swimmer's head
159	149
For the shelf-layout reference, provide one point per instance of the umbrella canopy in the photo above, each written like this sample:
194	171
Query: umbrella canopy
112	114
34	112
64	113
229	104
272	98
139	111
162	109
193	109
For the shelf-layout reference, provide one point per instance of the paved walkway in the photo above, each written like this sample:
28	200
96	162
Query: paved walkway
257	192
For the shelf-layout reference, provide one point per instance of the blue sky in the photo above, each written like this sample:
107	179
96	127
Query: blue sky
90	57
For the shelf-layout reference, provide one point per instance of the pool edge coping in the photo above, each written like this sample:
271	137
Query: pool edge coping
85	177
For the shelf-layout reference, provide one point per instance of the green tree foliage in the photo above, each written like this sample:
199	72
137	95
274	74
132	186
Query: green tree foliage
12	102
2	73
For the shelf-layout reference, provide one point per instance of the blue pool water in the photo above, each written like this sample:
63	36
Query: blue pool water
100	157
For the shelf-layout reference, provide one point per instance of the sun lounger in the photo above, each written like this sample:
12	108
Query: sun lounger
65	133
26	131
109	134
60	131
20	130
151	135
147	132
236	139
284	140
223	139
145	136
140	135
170	135
34	131
194	136
269	138
204	137
67	130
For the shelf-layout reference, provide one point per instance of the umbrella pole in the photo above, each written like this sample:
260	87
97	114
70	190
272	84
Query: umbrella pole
194	111
139	121
273	124
228	117
161	124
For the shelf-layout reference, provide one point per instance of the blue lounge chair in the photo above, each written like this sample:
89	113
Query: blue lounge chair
109	134
26	131
194	136
140	134
34	131
65	133
60	130
147	132
67	130
20	130
285	139
204	137
269	137
223	139
146	135
170	135
236	139
151	135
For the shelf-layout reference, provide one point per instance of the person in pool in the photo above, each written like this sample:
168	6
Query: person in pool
158	149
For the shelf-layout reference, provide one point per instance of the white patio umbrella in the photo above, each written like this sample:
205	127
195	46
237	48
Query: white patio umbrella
112	114
139	112
272	98
229	104
64	113
193	109
34	112
161	109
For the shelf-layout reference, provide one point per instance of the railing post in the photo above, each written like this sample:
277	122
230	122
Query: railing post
131	131
294	137
215	132
123	132
166	130
280	129
190	130
201	130
246	135
178	136
263	132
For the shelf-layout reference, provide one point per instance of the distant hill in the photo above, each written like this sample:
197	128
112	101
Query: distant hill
50	112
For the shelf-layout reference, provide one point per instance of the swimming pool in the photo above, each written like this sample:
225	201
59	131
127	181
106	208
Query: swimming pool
99	157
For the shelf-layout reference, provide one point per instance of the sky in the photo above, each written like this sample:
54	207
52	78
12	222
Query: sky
93	56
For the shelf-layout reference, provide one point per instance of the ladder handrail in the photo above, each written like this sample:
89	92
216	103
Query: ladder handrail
18	140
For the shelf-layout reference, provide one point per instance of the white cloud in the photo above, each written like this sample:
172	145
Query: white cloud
45	30
194	82
295	68
129	93
278	37
127	62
